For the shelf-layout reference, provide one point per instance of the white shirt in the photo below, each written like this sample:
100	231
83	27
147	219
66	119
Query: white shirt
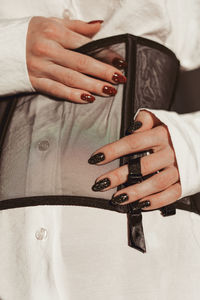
53	252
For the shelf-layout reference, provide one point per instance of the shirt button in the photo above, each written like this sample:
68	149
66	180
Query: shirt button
41	234
43	145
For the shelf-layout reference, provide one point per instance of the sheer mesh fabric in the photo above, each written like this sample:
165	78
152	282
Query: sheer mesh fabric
48	141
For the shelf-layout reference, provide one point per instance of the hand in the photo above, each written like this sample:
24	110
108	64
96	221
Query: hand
162	188
58	71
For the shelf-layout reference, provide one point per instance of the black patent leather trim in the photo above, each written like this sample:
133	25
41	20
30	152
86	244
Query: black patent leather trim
105	42
73	201
62	200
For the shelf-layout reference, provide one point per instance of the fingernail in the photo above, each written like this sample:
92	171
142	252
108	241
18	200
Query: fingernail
108	90
96	21
133	127
119	199
101	185
118	78
144	204
88	98
119	63
96	158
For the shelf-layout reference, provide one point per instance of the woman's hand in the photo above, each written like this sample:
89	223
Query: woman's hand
58	71
162	188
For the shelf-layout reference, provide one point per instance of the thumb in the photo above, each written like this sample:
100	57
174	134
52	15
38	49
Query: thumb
144	120
88	29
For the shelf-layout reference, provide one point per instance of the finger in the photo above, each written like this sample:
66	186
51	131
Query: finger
66	37
154	184
147	119
87	29
111	57
166	197
91	28
59	90
78	80
149	164
54	30
85	64
155	139
73	60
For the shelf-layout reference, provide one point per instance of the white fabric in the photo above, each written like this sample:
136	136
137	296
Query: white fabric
75	253
13	74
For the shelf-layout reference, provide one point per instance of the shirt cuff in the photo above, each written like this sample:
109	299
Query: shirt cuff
14	76
185	136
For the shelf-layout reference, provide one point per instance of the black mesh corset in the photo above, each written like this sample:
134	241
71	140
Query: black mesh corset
45	143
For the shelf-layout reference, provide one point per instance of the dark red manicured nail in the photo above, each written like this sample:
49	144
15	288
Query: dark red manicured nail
119	63
108	90
96	21
87	97
118	78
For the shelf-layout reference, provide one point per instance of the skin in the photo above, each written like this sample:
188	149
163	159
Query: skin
55	69
161	189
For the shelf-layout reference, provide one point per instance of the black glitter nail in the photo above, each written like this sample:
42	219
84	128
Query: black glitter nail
96	158
144	204
133	127
119	199
101	185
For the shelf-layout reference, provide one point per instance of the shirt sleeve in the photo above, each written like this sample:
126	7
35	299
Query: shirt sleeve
184	31
185	135
13	69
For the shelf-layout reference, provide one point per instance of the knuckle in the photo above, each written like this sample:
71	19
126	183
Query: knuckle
33	65
108	74
177	190
70	79
145	166
174	174
33	81
136	192
163	132
82	63
160	202
132	142
71	95
97	87
159	182
116	177
171	154
51	29
39	48
104	72
50	87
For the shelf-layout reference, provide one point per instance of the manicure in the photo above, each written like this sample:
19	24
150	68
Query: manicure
133	127
118	78
144	204
119	199
108	90
88	98
96	21
96	158
101	185
119	63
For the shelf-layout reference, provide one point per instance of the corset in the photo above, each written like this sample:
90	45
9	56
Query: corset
45	143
